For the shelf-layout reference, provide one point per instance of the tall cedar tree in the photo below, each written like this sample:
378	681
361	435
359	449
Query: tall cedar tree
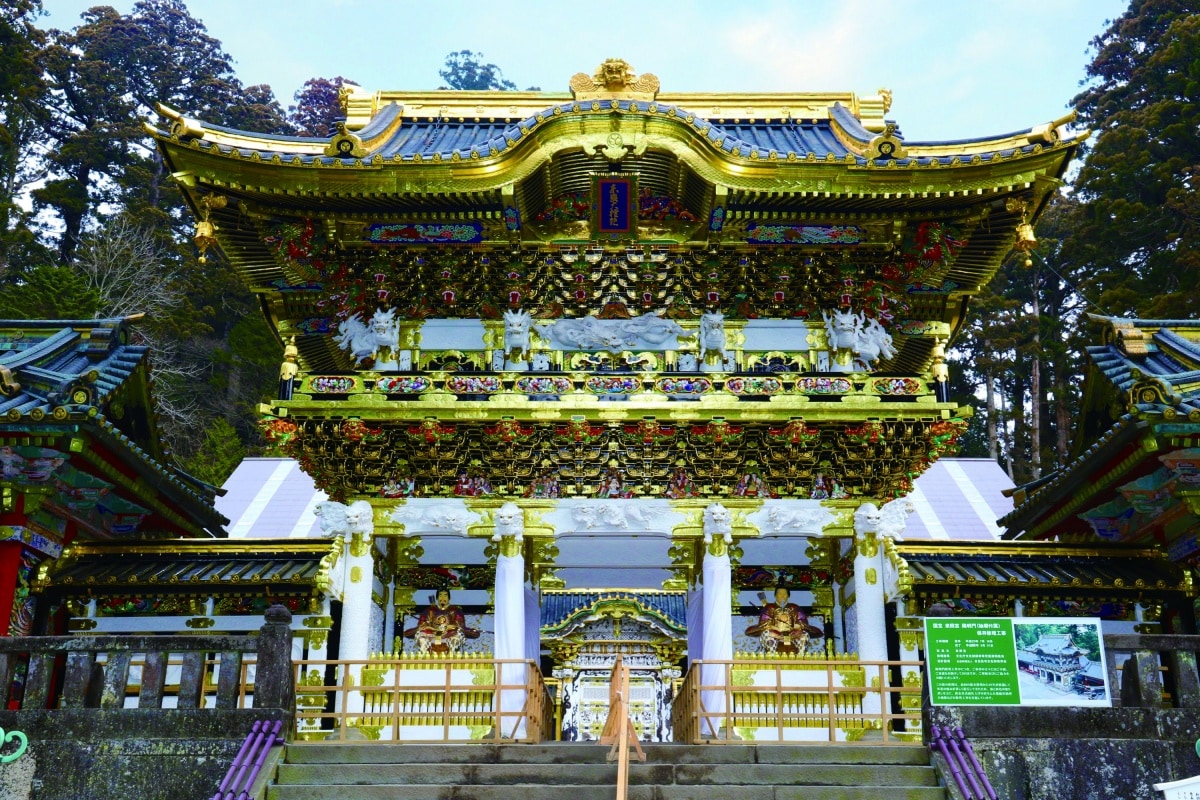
22	117
104	77
1139	185
465	70
318	108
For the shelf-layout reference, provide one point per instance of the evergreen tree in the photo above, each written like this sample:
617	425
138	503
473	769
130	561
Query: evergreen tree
220	454
1140	181
22	120
50	292
465	70
318	106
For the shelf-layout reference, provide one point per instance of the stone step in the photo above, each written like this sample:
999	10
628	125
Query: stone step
588	774
569	792
584	753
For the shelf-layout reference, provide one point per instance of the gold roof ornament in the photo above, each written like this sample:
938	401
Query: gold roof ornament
886	144
345	144
614	79
206	231
1024	239
181	126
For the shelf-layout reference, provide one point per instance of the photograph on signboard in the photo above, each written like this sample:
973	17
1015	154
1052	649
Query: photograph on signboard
1061	662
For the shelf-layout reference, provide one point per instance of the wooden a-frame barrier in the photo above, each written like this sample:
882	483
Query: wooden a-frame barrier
618	728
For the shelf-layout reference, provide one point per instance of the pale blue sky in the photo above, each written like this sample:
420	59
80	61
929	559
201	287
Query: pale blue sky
957	68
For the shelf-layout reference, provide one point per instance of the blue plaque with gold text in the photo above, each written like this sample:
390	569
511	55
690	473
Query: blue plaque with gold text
614	204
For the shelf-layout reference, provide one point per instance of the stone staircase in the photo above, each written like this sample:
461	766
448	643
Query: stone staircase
577	771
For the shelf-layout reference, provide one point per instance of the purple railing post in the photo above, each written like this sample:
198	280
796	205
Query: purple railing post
242	756
970	751
968	773
270	740
246	762
940	745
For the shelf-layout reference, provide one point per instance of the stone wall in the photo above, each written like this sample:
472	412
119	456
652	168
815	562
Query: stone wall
1075	753
124	754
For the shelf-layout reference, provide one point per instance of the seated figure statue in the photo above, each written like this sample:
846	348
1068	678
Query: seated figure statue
783	627
441	628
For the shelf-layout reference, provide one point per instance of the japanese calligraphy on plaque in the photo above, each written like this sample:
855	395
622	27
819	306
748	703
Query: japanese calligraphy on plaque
614	205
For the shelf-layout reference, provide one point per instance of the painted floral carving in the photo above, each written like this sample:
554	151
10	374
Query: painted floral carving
533	384
823	385
754	385
897	386
613	384
473	384
331	384
402	384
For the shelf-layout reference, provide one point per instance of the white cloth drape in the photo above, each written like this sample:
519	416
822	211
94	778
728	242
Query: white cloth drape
510	640
533	627
695	625
717	638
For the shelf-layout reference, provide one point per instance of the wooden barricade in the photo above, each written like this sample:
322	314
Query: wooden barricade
618	727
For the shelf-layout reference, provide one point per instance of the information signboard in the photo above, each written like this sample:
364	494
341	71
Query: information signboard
996	661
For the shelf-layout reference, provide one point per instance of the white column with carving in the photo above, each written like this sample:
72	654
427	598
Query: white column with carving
510	616
871	524
355	523
717	602
911	631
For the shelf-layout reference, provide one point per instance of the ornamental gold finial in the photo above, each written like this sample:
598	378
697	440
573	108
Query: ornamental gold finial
614	78
345	144
886	145
886	95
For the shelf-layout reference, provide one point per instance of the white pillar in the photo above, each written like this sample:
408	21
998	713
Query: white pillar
356	600
510	615
355	523
870	525
717	603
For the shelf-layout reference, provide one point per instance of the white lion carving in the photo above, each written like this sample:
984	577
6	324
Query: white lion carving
613	515
718	522
888	522
866	518
510	521
842	328
867	339
873	343
363	341
517	325
712	334
339	519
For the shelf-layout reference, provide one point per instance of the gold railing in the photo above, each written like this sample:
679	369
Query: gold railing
809	700
429	699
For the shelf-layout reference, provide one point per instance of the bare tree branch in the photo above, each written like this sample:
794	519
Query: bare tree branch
130	271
